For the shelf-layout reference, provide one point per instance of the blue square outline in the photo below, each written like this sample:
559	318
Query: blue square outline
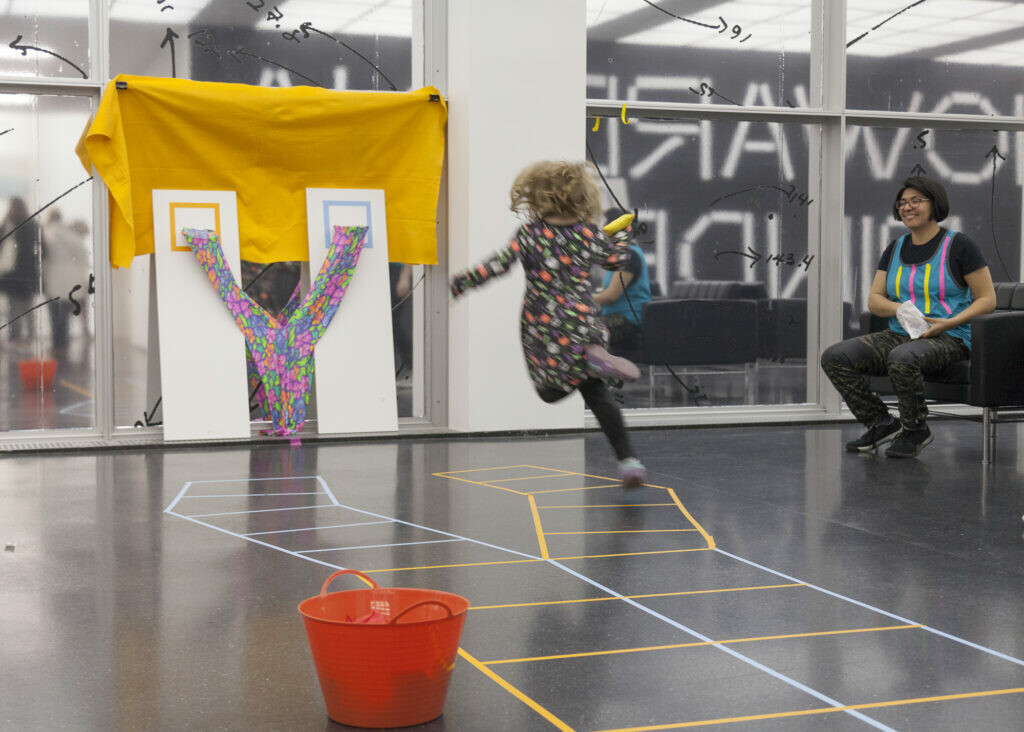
367	206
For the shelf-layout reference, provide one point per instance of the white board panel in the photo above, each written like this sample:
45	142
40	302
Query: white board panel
202	352
354	360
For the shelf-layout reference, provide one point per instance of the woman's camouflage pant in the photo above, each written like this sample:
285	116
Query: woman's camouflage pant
907	362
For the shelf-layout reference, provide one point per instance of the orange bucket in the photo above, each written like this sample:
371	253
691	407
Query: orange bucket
37	374
384	655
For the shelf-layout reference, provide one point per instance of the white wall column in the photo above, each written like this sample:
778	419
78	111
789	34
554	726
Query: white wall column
517	94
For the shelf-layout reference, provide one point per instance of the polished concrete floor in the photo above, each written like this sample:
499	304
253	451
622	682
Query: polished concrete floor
763	580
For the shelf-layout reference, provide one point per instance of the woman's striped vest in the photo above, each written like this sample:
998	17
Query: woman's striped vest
929	287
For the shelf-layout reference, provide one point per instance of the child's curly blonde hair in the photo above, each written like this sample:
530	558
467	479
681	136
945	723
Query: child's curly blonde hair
557	188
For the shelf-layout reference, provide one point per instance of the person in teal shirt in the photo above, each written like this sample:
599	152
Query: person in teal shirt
622	297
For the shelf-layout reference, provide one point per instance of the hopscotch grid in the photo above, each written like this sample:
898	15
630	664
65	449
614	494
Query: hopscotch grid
170	508
678	593
485	485
256	480
318	528
375	546
634	554
252	495
612	505
605	477
607	590
255	510
577	488
531	560
515	692
556	562
936	631
334	500
697	644
535	477
254	541
619	531
726	649
504	467
821	710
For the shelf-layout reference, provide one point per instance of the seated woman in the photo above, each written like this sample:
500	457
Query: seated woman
945	277
621	299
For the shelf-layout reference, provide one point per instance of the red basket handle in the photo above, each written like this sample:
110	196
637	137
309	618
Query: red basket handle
418	604
374	585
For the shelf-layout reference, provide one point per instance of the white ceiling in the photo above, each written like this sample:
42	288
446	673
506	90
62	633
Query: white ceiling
784	26
982	32
355	17
143	11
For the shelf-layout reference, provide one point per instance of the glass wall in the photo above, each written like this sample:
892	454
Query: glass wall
723	210
713	126
740	53
47	367
725	205
45	39
732	210
935	57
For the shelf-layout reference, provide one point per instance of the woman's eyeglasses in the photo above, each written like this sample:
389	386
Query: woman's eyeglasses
915	202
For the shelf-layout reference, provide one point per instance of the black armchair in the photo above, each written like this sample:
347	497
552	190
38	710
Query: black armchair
691	332
993	378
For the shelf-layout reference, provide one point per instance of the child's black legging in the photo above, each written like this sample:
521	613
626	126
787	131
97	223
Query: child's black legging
598	398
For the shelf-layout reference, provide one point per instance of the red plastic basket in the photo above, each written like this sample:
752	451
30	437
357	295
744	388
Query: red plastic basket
392	671
37	374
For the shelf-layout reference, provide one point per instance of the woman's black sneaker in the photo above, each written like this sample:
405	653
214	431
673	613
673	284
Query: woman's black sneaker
910	443
877	435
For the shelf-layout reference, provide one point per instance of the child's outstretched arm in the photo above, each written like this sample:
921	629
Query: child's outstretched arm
611	244
494	266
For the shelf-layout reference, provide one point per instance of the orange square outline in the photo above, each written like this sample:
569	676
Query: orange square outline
172	209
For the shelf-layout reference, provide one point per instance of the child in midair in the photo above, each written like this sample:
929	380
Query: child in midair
562	337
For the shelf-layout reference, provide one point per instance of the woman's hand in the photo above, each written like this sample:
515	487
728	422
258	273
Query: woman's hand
938	326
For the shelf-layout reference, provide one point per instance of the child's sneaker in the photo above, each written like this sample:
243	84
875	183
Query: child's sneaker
608	366
632	472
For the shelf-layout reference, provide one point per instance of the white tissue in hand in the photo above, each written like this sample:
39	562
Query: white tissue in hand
911	319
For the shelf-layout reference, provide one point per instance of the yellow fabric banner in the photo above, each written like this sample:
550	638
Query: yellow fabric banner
268	144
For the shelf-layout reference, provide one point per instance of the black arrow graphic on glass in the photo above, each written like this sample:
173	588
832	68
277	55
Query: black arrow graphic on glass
9	129
753	255
34	307
918	170
25	49
787	191
169	37
306	28
716	26
242	52
995	155
884	22
148	416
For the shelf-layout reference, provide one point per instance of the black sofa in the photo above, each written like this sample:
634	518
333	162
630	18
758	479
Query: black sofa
697	332
993	378
781	322
722	323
